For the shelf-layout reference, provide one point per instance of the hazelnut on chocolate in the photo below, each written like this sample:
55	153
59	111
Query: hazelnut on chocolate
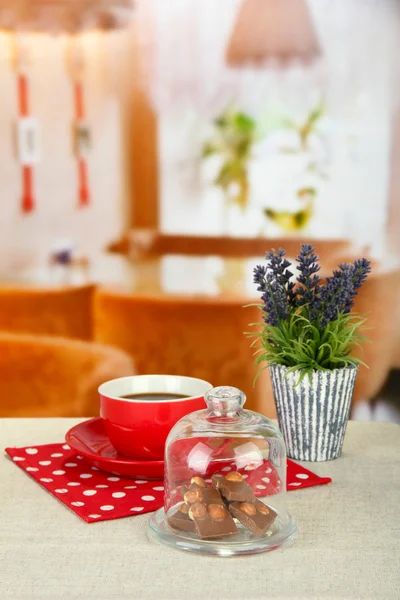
248	508
184	509
193	495
234	476
217	512
199	481
263	509
197	511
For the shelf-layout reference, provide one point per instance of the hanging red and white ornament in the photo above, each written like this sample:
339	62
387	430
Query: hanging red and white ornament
81	130
27	129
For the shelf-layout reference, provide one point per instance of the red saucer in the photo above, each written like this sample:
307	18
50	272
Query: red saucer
90	440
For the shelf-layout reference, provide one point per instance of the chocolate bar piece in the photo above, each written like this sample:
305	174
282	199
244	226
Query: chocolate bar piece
207	511
255	516
196	493
233	487
180	520
212	519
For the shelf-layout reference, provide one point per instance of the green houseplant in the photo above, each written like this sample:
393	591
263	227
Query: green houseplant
307	341
233	139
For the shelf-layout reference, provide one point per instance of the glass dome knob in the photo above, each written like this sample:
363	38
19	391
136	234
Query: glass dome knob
224	401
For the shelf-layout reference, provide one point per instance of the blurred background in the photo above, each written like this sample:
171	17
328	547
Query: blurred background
152	151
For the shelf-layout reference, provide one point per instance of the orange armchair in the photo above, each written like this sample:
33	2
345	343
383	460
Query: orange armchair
199	337
65	312
55	377
378	301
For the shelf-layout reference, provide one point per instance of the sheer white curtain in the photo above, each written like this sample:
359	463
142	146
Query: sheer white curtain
186	42
358	74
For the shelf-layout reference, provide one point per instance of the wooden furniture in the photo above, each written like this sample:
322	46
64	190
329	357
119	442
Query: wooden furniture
142	145
141	244
63	311
49	376
379	301
138	282
337	552
198	337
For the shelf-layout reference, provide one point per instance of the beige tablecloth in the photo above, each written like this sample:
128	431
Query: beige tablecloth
347	546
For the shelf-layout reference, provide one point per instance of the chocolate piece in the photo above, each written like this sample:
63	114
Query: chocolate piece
180	520
233	487
192	494
195	493
198	510
198	481
211	517
255	516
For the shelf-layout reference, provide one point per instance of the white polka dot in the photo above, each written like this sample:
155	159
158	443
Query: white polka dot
70	465
66	447
31	450
32	469
73	483
148	498
226	469
268	470
45	463
86	476
208	480
61	491
159	488
279	481
94	516
46	479
118	494
56	455
245	476
18	459
101	486
59	472
266	479
302	476
130	487
141	481
77	504
80	457
95	469
294	483
89	492
107	507
137	508
113	478
261	487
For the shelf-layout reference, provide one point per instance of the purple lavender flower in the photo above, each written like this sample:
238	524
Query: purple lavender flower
320	303
276	307
259	273
308	266
279	267
337	295
274	282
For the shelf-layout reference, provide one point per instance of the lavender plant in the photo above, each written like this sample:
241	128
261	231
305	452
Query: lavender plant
308	325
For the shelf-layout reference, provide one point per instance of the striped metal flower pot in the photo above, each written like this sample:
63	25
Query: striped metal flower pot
313	415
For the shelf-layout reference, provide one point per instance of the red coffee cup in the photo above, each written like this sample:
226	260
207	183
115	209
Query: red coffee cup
138	427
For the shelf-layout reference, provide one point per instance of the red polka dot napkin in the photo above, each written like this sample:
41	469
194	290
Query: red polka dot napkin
98	496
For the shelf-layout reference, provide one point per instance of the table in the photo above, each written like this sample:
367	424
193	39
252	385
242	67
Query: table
347	546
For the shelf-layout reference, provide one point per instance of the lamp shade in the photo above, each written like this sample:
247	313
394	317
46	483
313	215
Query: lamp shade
64	16
272	30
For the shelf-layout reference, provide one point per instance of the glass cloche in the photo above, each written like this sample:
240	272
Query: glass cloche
225	481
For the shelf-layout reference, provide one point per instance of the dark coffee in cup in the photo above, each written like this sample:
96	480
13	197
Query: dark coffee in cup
156	396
